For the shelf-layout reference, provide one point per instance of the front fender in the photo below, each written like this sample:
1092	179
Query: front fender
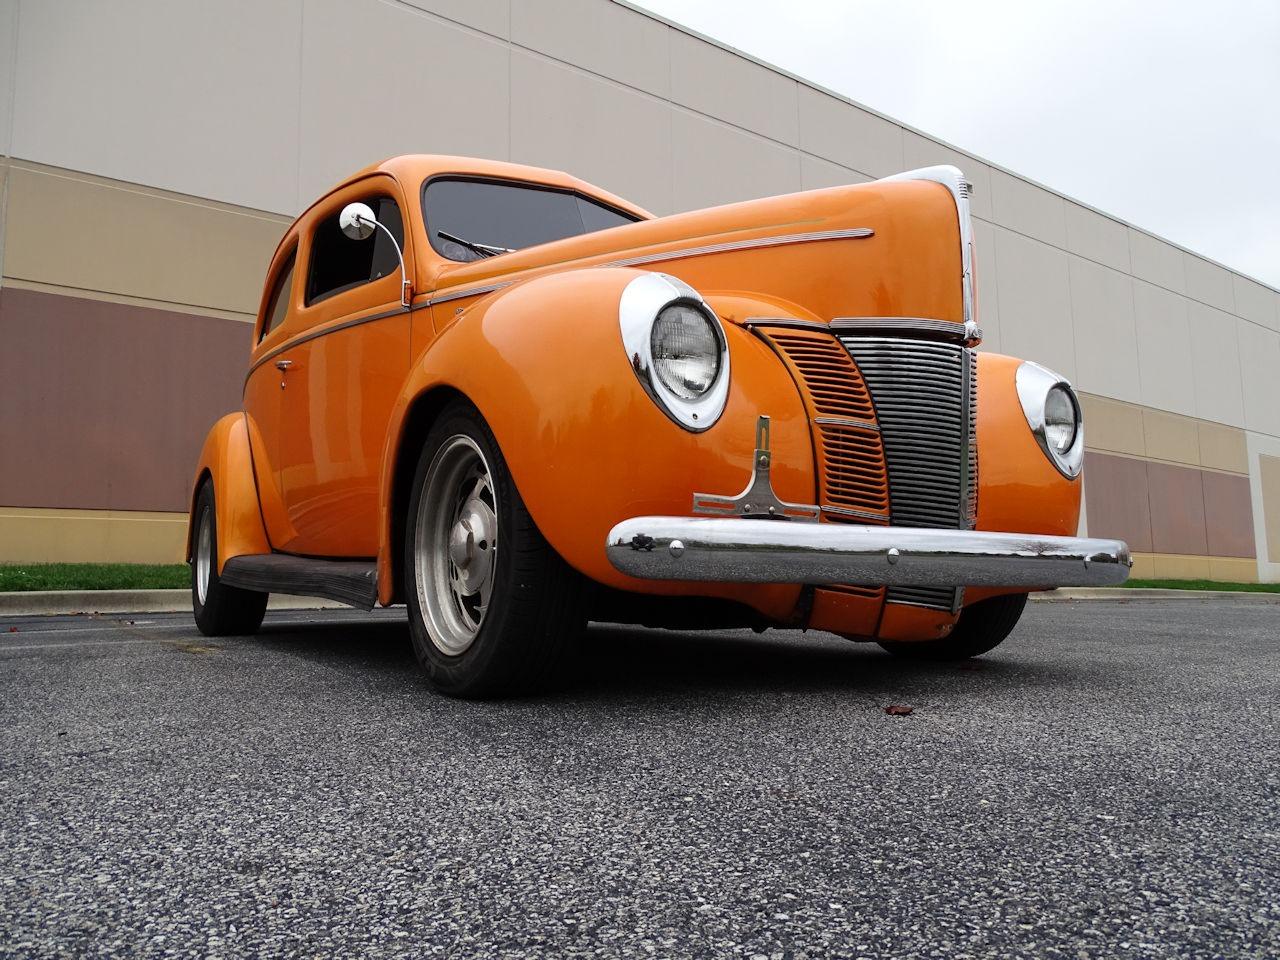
226	461
544	363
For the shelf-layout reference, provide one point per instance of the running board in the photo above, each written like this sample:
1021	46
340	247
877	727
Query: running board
353	582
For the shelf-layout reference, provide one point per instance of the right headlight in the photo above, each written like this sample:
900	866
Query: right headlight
677	348
1053	414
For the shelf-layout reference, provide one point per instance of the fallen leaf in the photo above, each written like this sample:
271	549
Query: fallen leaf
898	710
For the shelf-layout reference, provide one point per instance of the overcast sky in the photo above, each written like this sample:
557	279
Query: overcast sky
1165	113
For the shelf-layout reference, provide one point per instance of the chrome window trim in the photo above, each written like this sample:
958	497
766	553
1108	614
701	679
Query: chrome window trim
951	178
1033	383
852	233
643	298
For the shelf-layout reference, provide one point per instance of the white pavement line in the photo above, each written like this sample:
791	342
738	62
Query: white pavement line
78	643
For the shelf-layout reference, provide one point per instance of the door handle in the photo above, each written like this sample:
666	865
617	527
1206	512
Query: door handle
283	364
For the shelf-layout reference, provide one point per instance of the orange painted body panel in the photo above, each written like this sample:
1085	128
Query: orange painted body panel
226	460
542	359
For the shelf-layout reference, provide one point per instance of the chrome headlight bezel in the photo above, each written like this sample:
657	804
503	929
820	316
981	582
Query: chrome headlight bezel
1034	384
643	299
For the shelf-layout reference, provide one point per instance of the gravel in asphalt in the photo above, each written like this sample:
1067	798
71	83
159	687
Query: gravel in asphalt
1104	784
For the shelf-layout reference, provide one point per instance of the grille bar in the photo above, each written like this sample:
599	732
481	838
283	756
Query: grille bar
925	395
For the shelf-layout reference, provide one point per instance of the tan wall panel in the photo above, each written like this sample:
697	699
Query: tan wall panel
1270	470
1113	426
106	405
1230	568
1171	437
90	536
1223	448
1174	567
89	234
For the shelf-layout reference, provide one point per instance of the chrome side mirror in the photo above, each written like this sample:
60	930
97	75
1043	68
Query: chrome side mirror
357	221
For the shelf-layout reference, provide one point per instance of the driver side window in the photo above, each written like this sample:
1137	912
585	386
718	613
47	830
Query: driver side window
339	263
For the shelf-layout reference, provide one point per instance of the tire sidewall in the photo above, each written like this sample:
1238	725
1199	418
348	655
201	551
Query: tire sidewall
463	673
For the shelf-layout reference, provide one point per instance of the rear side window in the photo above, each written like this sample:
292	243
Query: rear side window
492	214
339	263
278	306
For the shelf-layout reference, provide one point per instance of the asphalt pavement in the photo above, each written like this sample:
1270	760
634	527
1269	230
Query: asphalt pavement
1105	784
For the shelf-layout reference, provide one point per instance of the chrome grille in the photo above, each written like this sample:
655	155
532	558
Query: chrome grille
925	400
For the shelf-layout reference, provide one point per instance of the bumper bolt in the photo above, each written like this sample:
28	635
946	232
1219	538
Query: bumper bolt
676	548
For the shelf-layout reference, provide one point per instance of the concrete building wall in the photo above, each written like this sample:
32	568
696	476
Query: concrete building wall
152	152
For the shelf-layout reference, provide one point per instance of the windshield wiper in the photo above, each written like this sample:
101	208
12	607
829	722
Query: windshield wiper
484	249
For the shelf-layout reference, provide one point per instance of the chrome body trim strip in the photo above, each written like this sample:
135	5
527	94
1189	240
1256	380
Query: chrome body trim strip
951	178
967	333
846	422
851	512
324	332
469	292
852	233
770	551
786	322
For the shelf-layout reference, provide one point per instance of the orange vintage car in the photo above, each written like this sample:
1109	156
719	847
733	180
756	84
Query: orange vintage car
515	402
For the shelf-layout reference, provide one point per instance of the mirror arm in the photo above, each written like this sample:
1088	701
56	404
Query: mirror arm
406	289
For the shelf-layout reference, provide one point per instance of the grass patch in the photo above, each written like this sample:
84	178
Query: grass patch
1203	585
94	576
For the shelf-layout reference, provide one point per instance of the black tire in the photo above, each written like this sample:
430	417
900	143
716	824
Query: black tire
533	611
225	611
981	627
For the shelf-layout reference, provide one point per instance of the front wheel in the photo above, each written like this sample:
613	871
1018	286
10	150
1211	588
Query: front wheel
981	627
493	608
220	610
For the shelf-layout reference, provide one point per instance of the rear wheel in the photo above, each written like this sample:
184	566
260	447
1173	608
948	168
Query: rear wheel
981	627
220	610
493	608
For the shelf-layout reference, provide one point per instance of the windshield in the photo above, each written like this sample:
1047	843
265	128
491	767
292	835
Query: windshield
472	219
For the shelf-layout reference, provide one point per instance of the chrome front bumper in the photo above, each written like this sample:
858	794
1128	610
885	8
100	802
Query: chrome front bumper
778	551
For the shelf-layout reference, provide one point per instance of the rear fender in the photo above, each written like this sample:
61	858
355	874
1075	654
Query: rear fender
225	461
543	361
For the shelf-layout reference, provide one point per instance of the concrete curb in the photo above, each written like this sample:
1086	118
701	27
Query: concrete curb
1064	594
39	603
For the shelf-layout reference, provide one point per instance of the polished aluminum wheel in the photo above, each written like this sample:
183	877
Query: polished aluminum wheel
456	545
204	555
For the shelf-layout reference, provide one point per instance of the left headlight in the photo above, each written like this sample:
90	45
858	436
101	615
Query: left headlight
1052	410
677	348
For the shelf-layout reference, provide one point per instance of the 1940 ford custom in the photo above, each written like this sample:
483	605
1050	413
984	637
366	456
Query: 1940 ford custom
515	402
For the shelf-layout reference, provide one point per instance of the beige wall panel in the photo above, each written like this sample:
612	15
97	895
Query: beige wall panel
1269	471
1255	302
1165	365
1113	426
605	38
1208	283
95	236
1034	291
717	164
985	266
1096	237
1233	570
721	84
816	173
1260	377
1177	567
1222	448
1168	436
1028	209
1156	261
849	135
490	16
8	61
1106	339
1144	567
4	179
1217	365
559	117
119	89
90	536
431	88
918	151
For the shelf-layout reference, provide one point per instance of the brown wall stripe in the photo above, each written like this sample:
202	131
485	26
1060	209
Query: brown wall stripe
106	405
